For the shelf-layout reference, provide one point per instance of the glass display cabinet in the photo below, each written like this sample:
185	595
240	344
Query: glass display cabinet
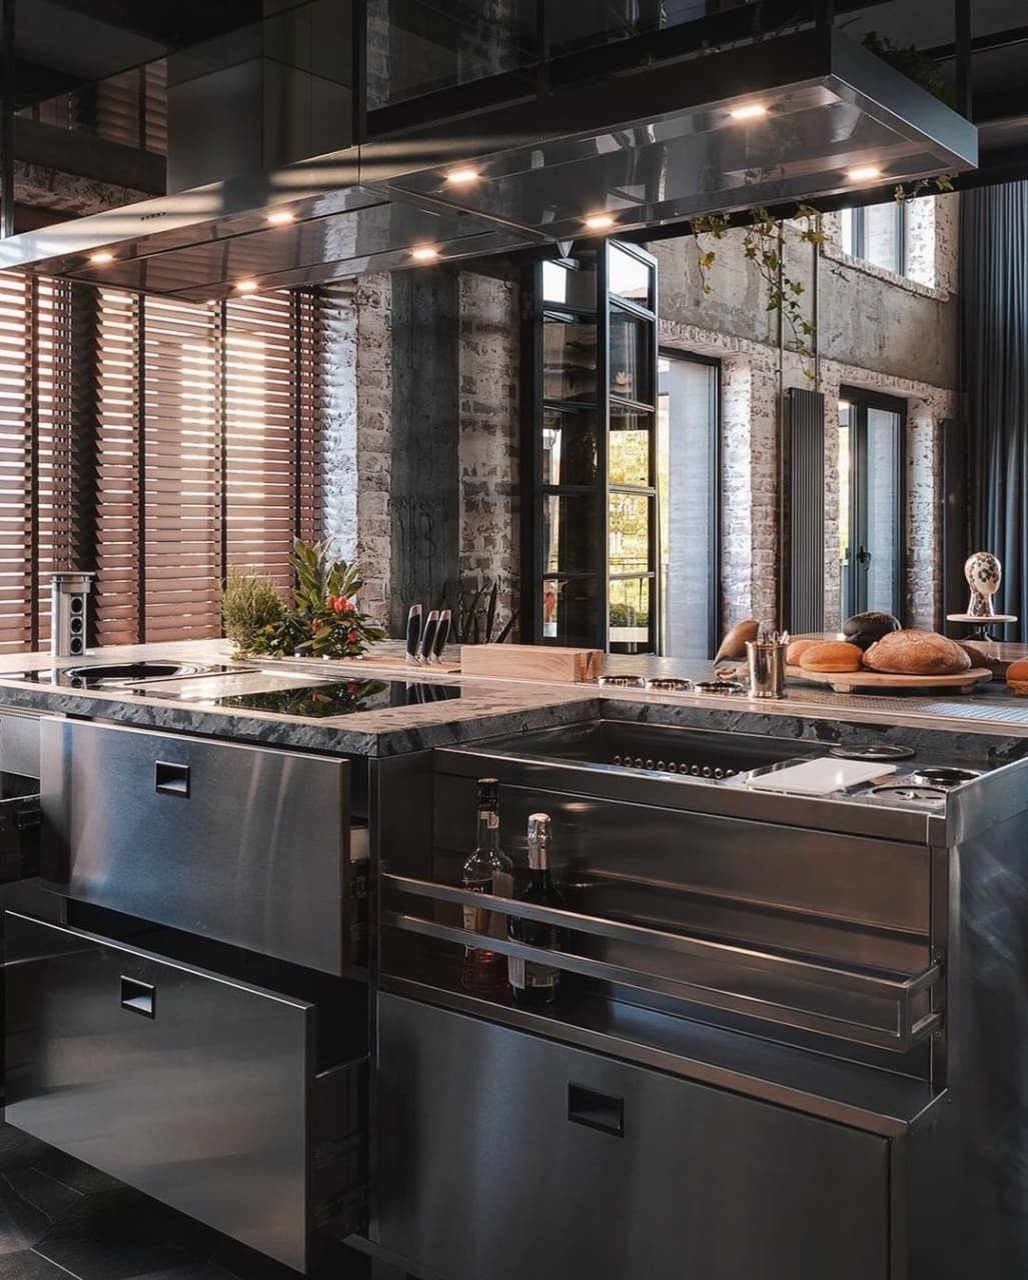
590	507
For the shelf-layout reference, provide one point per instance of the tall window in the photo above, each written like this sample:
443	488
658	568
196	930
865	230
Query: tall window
688	479
878	234
155	442
871	502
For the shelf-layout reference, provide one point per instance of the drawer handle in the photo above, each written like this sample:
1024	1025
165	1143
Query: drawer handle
138	997
171	779
596	1110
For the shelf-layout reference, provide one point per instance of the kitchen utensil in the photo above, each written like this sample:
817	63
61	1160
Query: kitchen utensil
442	635
765	660
412	638
428	635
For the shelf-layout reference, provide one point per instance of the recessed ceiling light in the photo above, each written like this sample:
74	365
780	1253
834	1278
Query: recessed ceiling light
246	286
864	173
280	217
424	253
750	111
463	177
599	221
102	258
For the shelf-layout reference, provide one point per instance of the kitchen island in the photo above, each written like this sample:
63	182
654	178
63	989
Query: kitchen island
782	1014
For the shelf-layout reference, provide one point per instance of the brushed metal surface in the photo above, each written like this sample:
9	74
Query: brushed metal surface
203	1106
248	845
481	1173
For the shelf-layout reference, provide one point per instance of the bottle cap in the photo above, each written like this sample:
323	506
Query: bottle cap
488	791
539	826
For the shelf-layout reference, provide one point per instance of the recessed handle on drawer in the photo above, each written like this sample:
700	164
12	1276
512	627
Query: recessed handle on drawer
171	779
596	1110
138	997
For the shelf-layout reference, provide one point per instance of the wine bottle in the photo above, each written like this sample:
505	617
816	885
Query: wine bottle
487	871
535	985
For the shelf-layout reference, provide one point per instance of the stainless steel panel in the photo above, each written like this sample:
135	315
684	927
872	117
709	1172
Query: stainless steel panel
19	743
244	844
193	1088
499	1156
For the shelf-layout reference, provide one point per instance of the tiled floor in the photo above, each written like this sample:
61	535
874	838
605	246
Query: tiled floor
60	1218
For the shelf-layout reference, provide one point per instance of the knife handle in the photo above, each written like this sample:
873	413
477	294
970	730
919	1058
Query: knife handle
428	635
412	639
442	635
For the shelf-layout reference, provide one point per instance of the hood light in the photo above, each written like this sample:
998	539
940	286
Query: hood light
599	221
864	173
246	286
281	217
424	253
102	258
751	111
463	177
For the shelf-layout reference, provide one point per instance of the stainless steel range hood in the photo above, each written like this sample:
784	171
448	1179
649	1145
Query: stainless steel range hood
792	118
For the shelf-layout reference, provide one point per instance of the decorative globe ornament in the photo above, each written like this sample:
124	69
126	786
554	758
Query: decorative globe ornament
984	574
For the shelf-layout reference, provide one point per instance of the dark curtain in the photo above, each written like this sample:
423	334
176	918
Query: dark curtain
994	374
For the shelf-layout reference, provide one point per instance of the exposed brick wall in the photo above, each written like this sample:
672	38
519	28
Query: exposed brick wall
489	430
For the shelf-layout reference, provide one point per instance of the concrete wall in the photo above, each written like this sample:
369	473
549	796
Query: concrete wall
875	330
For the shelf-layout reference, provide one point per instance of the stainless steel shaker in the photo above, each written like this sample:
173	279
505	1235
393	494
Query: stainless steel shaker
766	659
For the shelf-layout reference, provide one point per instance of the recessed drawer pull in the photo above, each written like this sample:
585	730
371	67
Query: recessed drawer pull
138	997
596	1110
171	779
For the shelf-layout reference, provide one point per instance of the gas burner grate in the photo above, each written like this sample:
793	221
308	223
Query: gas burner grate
945	777
904	791
673	766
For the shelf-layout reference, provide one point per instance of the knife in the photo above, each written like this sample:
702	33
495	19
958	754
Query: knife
441	636
428	635
412	640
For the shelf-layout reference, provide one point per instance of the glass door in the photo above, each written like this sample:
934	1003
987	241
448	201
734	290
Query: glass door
871	502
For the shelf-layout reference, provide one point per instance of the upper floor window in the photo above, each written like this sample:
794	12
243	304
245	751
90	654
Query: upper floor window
878	234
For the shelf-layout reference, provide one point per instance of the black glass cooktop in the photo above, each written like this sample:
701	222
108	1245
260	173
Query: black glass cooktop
120	675
342	698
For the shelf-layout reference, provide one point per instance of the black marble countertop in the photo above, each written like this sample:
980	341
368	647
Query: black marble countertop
979	724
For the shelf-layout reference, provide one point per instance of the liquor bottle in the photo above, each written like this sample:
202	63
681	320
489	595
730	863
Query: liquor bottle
487	871
535	985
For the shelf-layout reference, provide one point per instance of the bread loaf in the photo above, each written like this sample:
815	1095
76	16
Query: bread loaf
734	643
831	655
917	653
864	629
797	649
1017	676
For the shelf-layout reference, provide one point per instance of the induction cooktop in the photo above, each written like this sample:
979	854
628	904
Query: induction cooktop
315	698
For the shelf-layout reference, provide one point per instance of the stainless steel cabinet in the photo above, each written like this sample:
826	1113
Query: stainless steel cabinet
503	1155
202	1092
245	844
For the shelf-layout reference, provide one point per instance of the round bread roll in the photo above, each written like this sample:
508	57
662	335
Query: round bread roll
917	653
864	629
797	649
831	655
1017	676
734	643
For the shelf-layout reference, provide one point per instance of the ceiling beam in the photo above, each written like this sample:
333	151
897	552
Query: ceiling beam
979	44
172	23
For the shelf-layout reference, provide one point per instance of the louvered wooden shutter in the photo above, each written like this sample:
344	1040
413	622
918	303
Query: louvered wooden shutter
17	564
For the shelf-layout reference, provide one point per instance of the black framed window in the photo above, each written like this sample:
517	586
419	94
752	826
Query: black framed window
872	502
592	526
689	484
878	234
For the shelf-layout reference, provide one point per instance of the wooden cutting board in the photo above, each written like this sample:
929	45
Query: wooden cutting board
851	681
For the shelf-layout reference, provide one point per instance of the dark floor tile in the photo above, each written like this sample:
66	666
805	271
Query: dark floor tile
28	1265
73	1173
190	1271
18	1149
112	1236
38	1190
22	1224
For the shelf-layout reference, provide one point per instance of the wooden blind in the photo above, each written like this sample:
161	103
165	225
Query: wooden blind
156	442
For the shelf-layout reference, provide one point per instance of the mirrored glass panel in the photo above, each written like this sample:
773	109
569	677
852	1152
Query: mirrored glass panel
569	533
569	358
630	446
569	611
569	286
570	448
629	277
631	354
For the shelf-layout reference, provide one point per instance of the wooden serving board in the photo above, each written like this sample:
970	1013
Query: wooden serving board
851	681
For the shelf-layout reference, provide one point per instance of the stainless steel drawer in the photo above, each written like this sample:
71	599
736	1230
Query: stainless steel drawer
200	1091
503	1155
248	845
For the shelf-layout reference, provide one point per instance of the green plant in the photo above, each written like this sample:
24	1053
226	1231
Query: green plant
322	618
476	618
915	66
249	604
